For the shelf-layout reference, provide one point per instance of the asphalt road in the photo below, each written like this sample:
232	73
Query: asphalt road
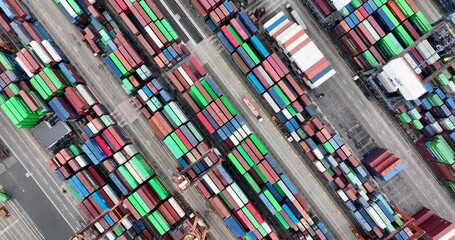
109	91
347	108
18	225
31	183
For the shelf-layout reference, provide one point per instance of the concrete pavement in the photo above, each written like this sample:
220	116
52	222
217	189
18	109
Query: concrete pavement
417	185
19	225
109	91
29	180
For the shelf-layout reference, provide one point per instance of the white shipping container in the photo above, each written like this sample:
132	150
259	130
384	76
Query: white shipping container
120	158
176	207
380	213
321	80
81	160
340	4
110	235
92	128
342	195
99	227
266	227
68	8
273	20
237	136
127	223
131	150
51	50
41	52
300	117
142	94
449	88
332	161
239	192
374	215
307	56
301	227
234	196
265	75
319	166
412	63
281	25
178	112
286	190
185	76
155	39
136	175
295	136
87	94
436	127
288	34
270	101
287	114
111	194
234	140
210	184
246	129
318	154
26	70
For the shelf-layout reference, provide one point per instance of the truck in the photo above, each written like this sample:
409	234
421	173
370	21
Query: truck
253	109
296	16
4	197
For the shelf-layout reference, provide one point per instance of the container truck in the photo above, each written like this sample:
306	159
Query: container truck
253	109
295	16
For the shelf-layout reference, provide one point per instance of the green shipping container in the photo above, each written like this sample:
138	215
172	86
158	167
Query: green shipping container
390	16
282	221
236	163
164	31
245	156
159	187
258	144
171	31
228	105
403	36
404	8
252	183
234	33
148	10
250	53
421	24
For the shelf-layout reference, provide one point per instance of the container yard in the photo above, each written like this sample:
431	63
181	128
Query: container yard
122	192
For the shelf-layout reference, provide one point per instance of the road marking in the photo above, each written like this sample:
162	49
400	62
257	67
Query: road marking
39	185
9	226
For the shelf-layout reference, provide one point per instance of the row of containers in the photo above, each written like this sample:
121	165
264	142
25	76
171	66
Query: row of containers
432	115
187	144
107	169
297	114
372	26
374	32
143	18
245	153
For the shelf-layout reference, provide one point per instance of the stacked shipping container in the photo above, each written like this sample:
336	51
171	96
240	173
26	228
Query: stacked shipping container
376	31
326	150
432	115
434	226
383	164
153	31
245	152
307	61
215	13
108	166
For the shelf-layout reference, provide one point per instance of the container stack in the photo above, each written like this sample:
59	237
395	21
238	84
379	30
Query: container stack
434	226
246	154
105	38
171	124
37	79
324	148
432	115
153	31
383	164
375	31
307	61
327	7
215	13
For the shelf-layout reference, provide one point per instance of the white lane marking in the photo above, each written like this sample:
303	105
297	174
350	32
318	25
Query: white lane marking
39	185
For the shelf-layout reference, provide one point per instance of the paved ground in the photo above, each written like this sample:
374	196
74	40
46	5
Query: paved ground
109	91
211	53
364	122
34	188
18	226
